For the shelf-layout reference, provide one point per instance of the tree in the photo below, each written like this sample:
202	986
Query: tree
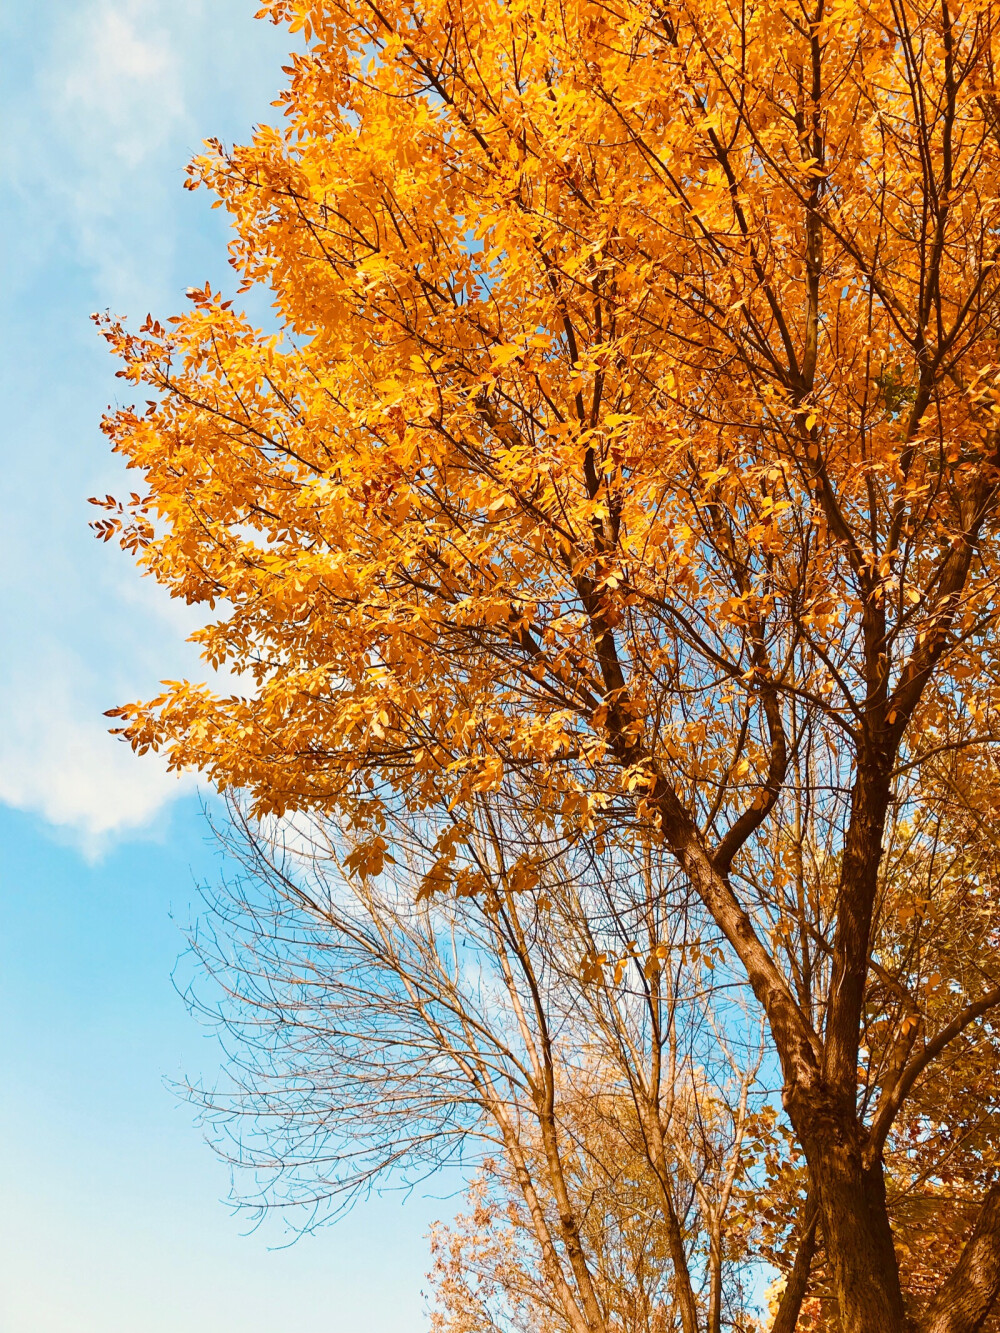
939	902
376	1029
487	1276
629	436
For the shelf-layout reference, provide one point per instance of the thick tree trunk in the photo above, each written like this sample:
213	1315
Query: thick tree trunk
859	1249
854	1218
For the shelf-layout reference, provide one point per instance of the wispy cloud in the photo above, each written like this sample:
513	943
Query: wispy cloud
114	83
94	148
105	102
58	760
122	77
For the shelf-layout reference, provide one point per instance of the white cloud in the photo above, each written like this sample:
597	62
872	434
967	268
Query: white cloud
90	208
58	760
115	89
122	86
106	102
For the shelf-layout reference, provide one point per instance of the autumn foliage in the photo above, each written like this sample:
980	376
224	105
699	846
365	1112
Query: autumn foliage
627	436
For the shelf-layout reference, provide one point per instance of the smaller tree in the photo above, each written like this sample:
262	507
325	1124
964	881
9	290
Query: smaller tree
402	1020
488	1276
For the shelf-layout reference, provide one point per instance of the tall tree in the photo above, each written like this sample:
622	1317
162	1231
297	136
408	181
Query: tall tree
630	434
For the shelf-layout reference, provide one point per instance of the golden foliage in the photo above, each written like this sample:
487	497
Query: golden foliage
608	354
628	431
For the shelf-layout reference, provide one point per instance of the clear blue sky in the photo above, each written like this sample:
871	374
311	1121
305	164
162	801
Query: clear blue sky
113	1217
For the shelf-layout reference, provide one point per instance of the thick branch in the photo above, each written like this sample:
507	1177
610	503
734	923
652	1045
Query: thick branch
851	953
893	1100
797	1044
964	1301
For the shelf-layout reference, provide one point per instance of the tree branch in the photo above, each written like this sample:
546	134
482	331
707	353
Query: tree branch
966	1298
891	1102
798	1279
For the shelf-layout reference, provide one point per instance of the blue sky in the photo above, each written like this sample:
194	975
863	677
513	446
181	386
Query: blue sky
113	1215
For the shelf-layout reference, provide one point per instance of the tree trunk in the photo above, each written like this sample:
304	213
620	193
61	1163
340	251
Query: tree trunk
855	1221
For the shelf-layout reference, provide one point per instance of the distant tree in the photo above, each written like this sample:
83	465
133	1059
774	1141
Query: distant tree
373	1029
631	439
487	1275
